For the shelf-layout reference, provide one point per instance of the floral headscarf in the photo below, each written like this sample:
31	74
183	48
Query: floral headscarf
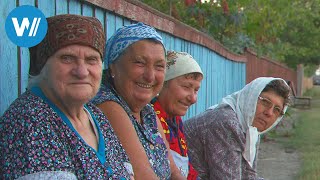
126	36
64	30
180	63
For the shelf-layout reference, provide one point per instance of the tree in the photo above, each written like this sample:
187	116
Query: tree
284	30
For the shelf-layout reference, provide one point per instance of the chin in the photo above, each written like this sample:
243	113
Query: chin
82	96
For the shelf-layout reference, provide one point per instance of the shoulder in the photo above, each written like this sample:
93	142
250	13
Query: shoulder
26	109
222	117
107	96
219	115
105	93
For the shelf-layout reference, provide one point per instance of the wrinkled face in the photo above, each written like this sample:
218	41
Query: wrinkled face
268	106
139	73
73	74
179	94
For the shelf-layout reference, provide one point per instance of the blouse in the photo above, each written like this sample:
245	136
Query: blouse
147	132
36	136
216	142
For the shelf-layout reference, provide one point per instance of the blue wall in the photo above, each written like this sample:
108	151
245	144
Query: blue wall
222	76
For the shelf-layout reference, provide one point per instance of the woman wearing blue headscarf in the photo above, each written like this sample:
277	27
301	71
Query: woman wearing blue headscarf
136	65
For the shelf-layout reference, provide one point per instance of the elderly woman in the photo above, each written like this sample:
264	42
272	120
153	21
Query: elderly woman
179	92
135	74
223	141
51	131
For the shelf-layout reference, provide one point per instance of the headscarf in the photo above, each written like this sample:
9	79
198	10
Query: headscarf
180	63
244	103
126	36
64	30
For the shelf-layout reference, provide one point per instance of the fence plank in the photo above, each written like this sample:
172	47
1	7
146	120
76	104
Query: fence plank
8	60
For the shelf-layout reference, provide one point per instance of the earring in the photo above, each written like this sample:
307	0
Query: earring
112	76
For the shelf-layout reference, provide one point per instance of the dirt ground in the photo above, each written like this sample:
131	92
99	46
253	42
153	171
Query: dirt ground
275	161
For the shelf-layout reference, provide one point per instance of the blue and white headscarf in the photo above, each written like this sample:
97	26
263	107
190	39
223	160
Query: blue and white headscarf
126	36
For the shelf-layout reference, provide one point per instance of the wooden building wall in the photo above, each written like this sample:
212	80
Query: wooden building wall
225	72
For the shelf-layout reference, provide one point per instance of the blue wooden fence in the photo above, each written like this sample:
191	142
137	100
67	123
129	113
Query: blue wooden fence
222	76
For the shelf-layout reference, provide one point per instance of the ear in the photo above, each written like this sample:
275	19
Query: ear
112	68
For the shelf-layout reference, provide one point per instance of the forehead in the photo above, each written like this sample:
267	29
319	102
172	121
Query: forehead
141	45
78	49
187	78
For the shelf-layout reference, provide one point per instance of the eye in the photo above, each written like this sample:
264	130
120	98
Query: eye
266	102
67	58
93	60
139	62
277	110
185	86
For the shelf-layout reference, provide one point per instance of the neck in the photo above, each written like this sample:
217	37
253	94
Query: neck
70	108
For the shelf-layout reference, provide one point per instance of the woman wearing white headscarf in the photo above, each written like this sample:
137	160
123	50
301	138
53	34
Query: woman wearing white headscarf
223	141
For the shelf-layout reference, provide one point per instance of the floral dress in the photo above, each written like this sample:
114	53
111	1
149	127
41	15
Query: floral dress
36	136
147	132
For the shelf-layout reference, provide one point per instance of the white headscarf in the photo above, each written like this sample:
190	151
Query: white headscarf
244	103
180	63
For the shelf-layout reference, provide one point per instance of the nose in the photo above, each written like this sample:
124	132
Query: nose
269	111
192	98
149	74
81	70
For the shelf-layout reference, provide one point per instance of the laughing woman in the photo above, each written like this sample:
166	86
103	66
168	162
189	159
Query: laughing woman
135	74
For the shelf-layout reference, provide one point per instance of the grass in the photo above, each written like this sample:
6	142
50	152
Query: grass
306	138
313	92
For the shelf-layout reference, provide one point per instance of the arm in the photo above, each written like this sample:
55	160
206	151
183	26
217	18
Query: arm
129	139
47	175
224	142
175	172
196	148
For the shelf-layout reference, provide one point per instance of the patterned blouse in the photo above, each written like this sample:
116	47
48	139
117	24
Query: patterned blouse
173	130
36	136
147	132
216	143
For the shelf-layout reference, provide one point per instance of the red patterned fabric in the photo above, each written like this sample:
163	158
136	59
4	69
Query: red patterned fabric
174	135
64	30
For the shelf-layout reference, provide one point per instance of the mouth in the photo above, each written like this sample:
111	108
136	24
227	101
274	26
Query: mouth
263	122
146	86
80	83
187	105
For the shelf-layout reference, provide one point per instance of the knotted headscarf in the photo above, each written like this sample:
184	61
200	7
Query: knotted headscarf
244	103
126	36
180	63
64	30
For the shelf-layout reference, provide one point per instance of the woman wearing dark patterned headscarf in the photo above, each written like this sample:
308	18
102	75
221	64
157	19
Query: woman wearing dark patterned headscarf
51	131
135	59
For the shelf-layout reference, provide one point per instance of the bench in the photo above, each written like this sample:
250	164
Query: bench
302	102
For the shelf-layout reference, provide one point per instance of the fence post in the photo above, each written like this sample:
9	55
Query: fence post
300	75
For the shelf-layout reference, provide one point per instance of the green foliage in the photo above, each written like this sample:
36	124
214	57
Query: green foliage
280	29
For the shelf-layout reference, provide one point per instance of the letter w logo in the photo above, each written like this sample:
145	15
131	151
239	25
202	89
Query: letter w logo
25	25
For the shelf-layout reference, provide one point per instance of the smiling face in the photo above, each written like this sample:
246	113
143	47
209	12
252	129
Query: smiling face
266	115
72	75
139	73
179	94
